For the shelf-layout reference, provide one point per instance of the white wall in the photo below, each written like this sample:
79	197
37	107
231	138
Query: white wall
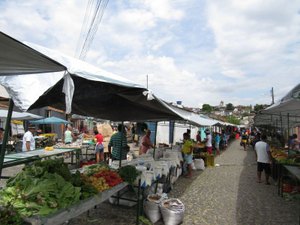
163	132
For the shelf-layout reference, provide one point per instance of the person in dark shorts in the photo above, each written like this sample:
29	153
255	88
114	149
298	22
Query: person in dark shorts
263	158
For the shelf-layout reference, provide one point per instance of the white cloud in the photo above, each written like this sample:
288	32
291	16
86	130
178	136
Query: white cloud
228	50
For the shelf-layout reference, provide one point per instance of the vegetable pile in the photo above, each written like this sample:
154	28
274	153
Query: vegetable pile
101	177
129	173
47	186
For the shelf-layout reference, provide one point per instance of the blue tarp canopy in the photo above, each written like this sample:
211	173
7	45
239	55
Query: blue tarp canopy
50	120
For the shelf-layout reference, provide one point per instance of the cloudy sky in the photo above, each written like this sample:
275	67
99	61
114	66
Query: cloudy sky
195	51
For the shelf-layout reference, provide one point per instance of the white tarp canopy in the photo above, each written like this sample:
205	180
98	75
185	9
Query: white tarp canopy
19	115
284	113
18	58
194	118
90	90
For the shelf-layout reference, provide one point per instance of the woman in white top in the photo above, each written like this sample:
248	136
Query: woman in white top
68	136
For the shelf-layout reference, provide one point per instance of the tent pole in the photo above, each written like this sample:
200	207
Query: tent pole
288	124
281	128
121	150
6	132
156	123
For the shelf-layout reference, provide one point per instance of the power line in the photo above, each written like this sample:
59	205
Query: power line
93	15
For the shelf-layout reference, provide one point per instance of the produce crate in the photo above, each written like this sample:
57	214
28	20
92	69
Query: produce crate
209	160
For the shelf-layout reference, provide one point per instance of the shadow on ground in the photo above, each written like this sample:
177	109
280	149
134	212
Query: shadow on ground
258	203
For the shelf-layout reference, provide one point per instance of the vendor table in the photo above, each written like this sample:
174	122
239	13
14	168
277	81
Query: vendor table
29	156
293	171
83	206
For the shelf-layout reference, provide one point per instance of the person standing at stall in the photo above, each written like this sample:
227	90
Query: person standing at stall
198	137
1	135
187	150
217	143
28	139
68	135
99	148
146	143
118	143
208	141
263	158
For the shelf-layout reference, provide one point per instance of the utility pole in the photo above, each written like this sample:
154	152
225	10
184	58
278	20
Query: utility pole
147	81
272	94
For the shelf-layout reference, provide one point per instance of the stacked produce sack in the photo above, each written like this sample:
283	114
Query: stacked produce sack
151	207
172	211
158	206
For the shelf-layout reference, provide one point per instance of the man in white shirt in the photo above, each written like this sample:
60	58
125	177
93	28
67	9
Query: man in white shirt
28	139
208	142
263	158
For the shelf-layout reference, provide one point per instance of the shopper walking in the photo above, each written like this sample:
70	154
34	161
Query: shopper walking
263	158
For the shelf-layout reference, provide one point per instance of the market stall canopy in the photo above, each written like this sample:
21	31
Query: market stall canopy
194	118
18	58
279	121
284	113
88	91
289	104
19	115
50	120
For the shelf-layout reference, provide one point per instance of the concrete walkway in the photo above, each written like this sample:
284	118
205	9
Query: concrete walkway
229	195
223	195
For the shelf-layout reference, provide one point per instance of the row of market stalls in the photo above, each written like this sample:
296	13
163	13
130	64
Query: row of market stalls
282	122
80	88
36	77
284	115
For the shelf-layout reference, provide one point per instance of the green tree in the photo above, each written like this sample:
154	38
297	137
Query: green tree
233	120
258	107
206	108
229	106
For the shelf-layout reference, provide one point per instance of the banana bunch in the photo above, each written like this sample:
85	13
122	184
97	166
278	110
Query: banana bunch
49	148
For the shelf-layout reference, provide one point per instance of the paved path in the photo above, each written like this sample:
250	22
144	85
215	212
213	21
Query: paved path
224	195
229	194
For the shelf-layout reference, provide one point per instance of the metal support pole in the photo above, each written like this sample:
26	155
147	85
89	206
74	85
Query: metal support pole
281	127
288	124
121	150
156	123
138	203
6	132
